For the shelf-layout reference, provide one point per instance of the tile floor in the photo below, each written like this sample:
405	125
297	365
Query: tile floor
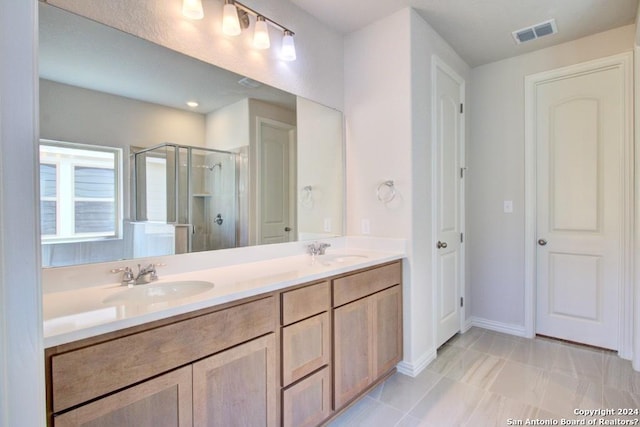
485	378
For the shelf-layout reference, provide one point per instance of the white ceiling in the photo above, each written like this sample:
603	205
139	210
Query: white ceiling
480	30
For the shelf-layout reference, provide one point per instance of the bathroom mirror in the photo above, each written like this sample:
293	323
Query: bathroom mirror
251	164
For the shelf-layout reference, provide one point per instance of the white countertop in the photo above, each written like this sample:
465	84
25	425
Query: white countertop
72	315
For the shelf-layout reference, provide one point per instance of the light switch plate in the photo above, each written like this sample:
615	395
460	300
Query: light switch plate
327	225
365	226
508	206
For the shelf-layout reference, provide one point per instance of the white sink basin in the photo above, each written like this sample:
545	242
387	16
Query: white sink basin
159	292
341	258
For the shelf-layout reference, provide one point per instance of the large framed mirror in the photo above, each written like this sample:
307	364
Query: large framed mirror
204	159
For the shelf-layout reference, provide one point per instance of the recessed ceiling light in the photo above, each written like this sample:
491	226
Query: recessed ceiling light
192	104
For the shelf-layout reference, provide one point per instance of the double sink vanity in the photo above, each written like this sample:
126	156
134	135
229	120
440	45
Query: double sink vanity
290	341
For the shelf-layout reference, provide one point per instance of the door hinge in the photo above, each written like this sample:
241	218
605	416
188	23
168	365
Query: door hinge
462	172
461	108
461	237
461	301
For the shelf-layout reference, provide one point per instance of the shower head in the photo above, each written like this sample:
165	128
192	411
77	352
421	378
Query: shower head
213	166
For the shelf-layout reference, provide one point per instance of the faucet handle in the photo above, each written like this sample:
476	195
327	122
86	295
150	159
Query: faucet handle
323	247
127	274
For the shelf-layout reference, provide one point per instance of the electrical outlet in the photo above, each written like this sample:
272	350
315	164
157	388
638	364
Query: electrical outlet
366	226
327	225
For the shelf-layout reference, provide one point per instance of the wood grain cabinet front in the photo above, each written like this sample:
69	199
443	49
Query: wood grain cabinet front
306	346
367	330
237	388
162	401
308	403
306	355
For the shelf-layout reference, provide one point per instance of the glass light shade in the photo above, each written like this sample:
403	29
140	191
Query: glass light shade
261	34
192	9
288	52
230	21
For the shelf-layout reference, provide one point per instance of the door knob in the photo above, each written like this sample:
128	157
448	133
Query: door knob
542	242
287	229
441	245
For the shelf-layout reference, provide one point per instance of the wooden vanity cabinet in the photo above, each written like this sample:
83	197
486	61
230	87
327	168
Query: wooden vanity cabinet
229	355
367	329
293	358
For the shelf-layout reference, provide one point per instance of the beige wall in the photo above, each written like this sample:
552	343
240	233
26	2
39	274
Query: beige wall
73	114
495	161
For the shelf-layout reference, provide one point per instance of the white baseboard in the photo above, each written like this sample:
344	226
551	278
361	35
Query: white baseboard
492	325
468	324
413	369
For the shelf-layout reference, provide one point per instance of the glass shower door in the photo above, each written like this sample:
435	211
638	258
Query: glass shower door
214	200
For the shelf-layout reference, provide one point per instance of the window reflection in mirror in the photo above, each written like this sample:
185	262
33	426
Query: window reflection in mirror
79	192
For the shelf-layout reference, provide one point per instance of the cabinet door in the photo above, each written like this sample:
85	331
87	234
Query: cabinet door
387	339
162	401
305	347
237	387
352	345
308	402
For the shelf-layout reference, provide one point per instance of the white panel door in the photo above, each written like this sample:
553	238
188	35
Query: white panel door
448	93
579	135
275	182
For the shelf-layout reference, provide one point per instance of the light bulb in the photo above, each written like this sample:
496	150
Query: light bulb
261	34
192	9
288	52
230	21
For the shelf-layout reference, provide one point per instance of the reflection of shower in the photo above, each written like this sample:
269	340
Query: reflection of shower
171	186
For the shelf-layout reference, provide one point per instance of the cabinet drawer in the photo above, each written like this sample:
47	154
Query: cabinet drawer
355	286
162	401
304	302
90	372
305	347
307	403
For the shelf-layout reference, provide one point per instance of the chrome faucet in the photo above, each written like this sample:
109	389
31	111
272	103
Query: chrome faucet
317	248
146	274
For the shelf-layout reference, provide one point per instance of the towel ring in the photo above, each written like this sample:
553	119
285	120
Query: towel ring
306	197
386	191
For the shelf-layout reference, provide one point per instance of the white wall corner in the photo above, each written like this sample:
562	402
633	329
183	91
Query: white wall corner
22	385
413	368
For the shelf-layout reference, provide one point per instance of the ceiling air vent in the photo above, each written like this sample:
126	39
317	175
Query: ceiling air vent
535	31
249	83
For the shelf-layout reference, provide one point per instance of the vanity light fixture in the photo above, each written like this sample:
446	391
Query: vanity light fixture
192	9
235	18
261	34
230	19
288	52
